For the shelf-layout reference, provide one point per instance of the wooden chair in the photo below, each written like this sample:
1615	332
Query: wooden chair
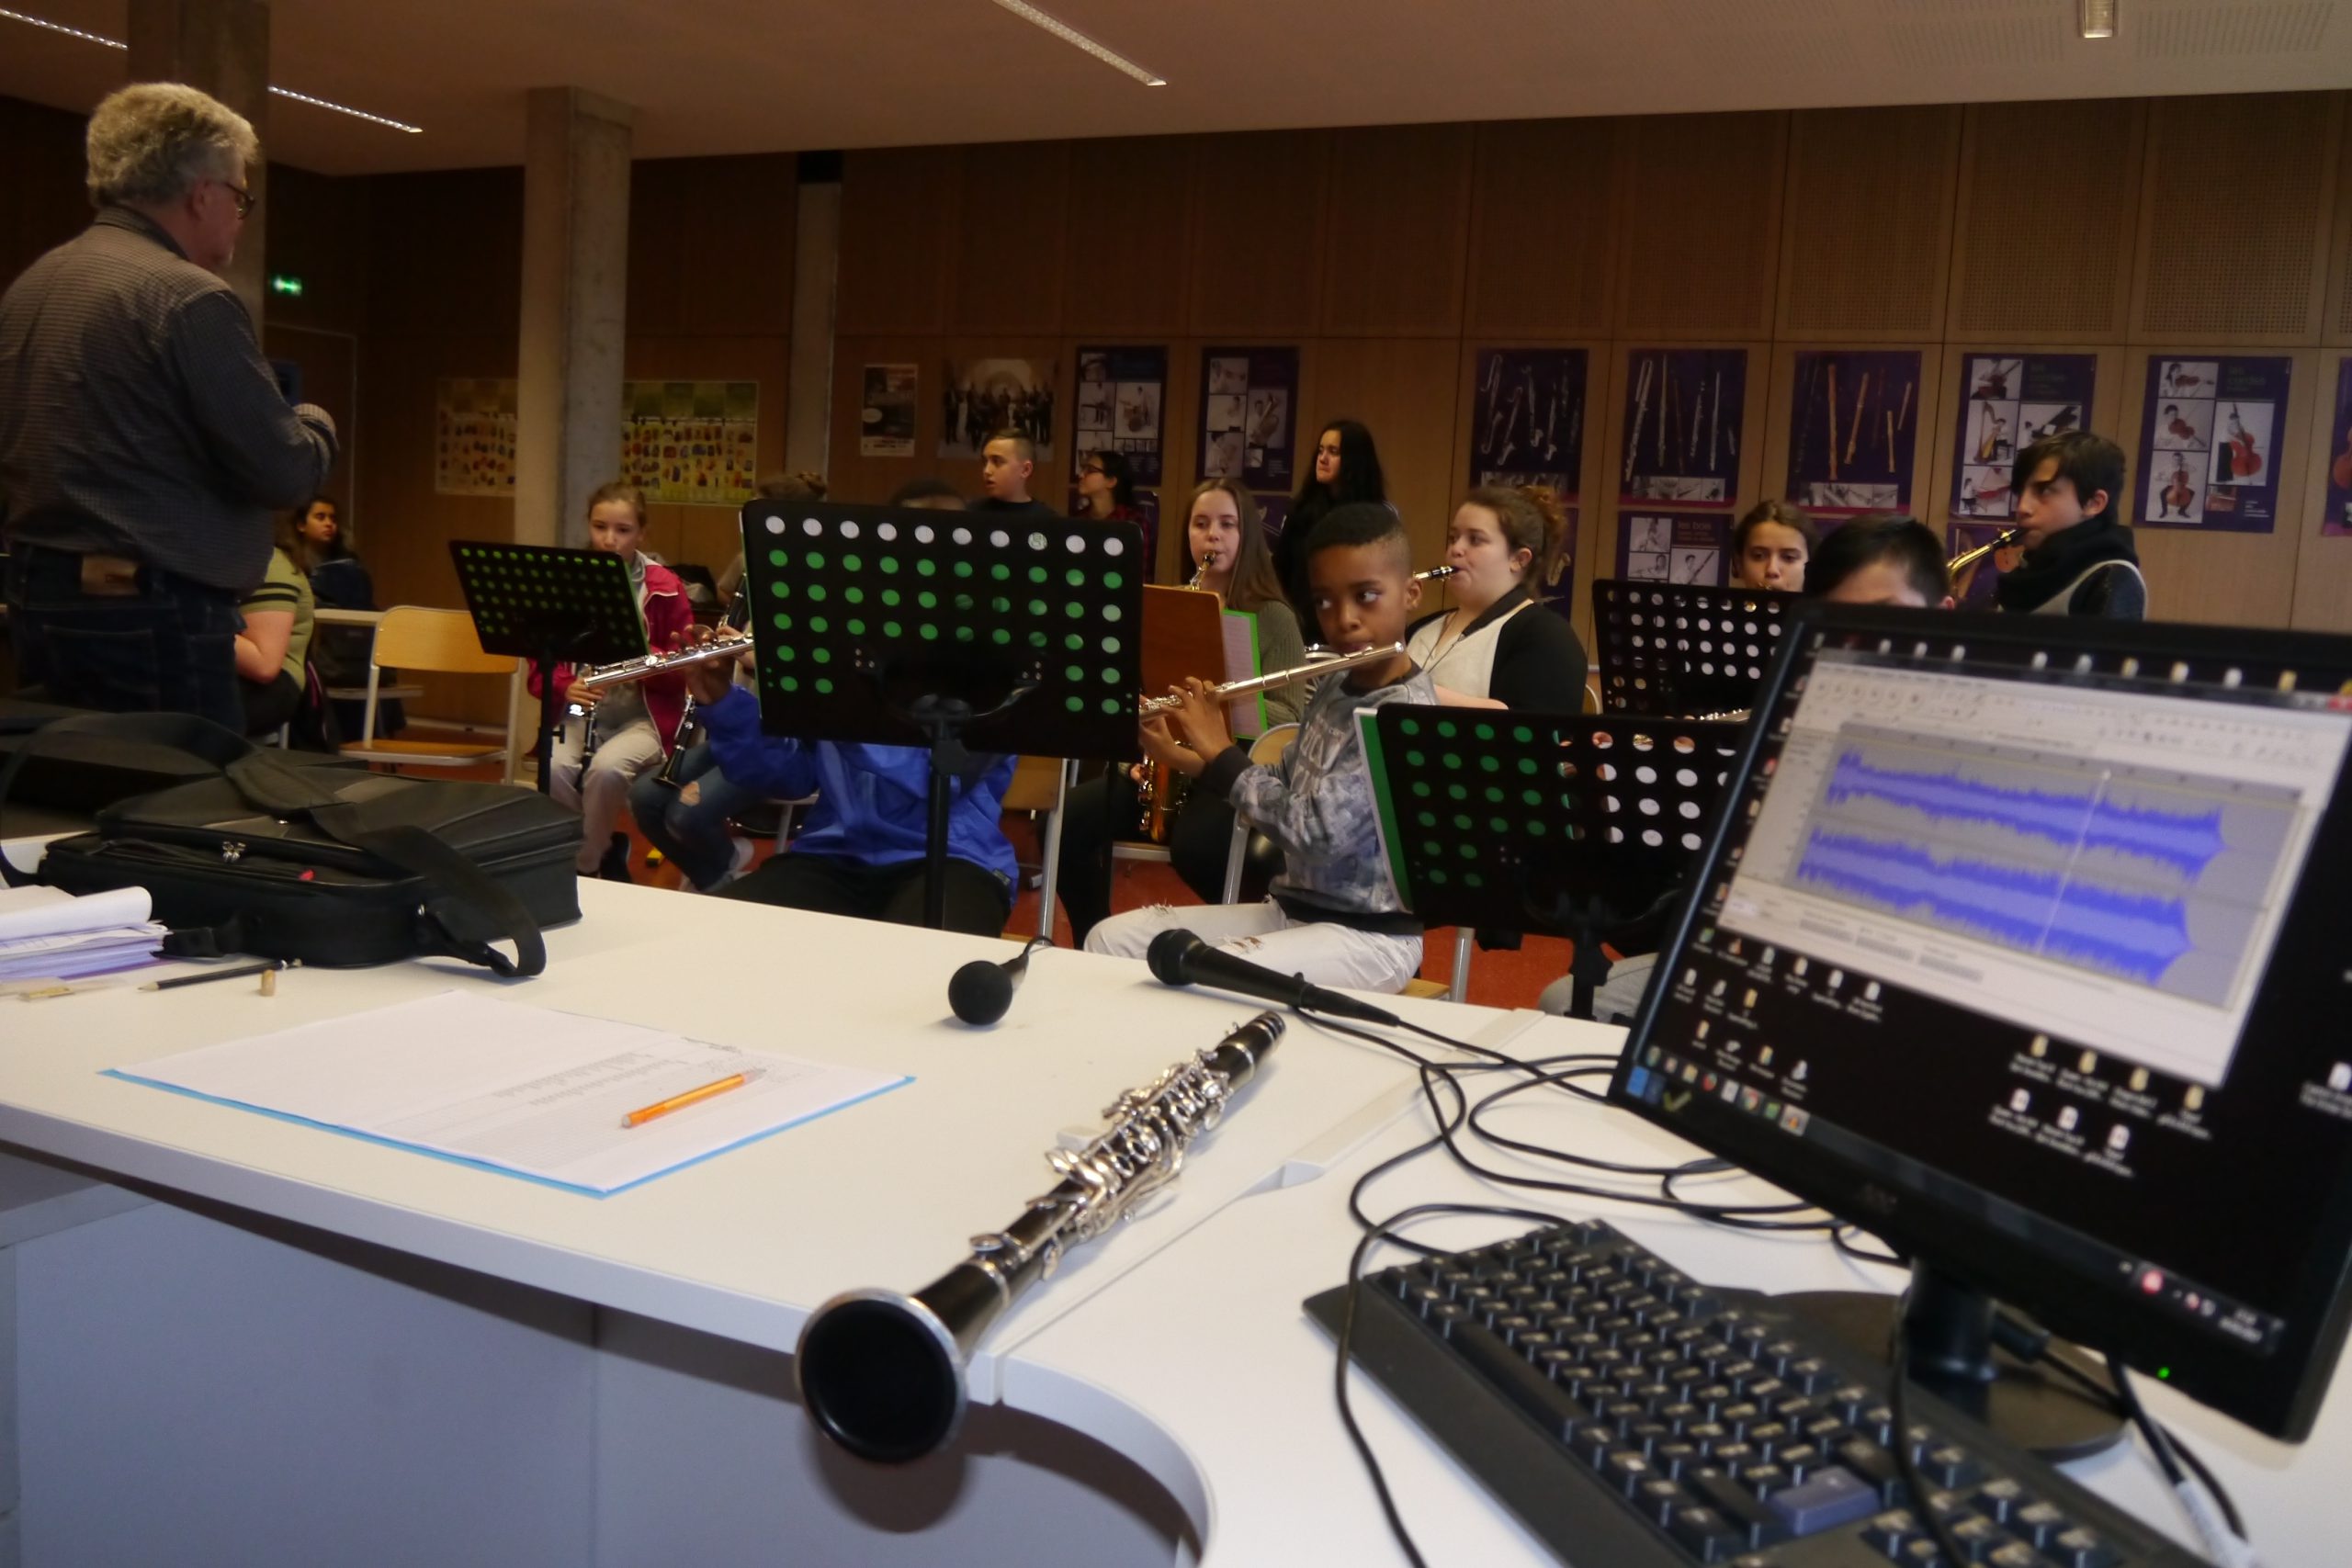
1042	783
442	641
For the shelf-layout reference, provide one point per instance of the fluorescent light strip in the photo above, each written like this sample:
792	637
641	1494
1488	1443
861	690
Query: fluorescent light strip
281	92
1070	35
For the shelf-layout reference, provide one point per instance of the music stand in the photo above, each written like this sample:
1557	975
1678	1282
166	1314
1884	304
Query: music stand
552	606
965	633
1683	649
1564	824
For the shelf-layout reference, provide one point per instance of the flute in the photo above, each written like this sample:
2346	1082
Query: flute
1280	678
652	664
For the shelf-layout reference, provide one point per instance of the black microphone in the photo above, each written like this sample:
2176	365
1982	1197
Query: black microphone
981	991
1180	958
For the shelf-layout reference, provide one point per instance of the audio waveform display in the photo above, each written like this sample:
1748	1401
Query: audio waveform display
2119	931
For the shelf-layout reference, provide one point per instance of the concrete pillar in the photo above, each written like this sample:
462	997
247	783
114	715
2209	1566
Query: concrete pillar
575	309
809	426
221	47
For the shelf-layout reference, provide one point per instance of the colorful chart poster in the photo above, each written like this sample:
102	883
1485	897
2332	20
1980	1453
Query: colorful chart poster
1965	536
1683	408
1674	548
2009	401
691	442
1854	426
1121	392
886	420
473	437
980	397
2209	455
1250	416
2337	518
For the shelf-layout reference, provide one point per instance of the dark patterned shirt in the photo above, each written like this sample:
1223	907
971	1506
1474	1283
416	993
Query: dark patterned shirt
137	415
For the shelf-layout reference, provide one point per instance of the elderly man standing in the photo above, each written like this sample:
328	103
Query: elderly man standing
144	441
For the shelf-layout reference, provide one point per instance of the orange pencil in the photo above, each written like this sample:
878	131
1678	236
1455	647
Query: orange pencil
680	1101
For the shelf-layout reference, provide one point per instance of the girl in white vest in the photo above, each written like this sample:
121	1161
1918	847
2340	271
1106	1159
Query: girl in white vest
1497	646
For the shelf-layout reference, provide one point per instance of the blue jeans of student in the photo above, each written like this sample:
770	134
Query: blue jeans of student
693	835
164	645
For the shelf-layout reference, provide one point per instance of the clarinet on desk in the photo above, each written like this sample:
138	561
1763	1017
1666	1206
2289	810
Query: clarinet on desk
883	1373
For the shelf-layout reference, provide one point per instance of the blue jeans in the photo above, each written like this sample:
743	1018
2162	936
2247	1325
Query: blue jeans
695	836
167	646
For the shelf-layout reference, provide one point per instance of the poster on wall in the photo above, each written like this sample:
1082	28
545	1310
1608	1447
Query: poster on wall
1683	411
1527	428
1853	428
1120	394
1250	416
885	418
473	437
1969	535
1673	547
2336	517
980	397
691	442
2009	401
2208	454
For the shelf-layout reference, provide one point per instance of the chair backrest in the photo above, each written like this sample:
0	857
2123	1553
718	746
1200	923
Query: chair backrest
1269	748
411	636
1037	783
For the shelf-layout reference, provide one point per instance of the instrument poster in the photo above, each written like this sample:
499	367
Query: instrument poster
980	397
1121	392
473	437
1683	408
2009	401
693	442
885	420
2209	455
1854	428
2336	519
1250	416
1526	419
1965	536
1693	547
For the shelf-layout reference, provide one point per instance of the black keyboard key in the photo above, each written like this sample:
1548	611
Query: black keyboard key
1873	1464
1760	1525
1800	1459
1830	1497
2037	1524
2000	1498
1892	1531
1711	1537
1552	1406
1658	1497
2080	1548
1975	1534
1922	1554
1947	1464
1626	1470
1734	1457
1806	1375
2015	1555
1763	1480
1673	1459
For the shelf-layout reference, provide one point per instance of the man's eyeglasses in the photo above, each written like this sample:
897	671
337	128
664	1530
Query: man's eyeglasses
243	197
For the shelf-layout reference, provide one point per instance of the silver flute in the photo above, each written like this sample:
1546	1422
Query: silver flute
650	665
1309	671
883	1374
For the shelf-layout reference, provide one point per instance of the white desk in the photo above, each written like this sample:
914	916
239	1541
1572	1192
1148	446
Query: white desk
367	1345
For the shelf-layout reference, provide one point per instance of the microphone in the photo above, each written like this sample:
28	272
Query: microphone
1180	958
981	991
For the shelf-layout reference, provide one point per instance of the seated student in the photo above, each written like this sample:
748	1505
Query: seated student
2078	559
635	724
1770	544
277	637
1881	558
1334	916
1498	648
862	850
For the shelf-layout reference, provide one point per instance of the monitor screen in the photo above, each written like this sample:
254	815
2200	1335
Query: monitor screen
2015	943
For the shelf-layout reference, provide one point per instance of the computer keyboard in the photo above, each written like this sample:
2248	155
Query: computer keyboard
1632	1416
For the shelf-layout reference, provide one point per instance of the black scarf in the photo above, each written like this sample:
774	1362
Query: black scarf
2050	566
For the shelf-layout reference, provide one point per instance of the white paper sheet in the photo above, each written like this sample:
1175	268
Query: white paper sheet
523	1088
49	911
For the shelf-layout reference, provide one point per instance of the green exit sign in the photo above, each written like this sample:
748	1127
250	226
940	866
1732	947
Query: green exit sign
287	284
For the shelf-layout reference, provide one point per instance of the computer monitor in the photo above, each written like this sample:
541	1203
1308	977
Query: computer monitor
2020	942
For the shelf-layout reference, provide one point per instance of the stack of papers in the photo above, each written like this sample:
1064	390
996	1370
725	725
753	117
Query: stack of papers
46	934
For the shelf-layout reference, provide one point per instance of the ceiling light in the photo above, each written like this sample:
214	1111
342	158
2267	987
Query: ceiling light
1070	35
2099	17
281	92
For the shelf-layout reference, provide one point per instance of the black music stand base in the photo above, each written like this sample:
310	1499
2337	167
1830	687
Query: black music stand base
943	721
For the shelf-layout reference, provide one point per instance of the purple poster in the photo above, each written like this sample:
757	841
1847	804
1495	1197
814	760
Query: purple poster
1673	547
2337	518
1854	426
1526	419
1120	391
2208	454
1250	416
1683	408
2009	401
1966	537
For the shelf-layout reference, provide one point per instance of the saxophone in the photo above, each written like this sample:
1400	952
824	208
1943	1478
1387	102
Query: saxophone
882	1373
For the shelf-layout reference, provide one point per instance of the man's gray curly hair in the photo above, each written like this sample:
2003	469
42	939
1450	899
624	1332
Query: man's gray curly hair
150	143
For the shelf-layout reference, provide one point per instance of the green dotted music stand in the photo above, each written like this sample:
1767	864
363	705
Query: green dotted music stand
1683	649
1566	824
968	633
552	606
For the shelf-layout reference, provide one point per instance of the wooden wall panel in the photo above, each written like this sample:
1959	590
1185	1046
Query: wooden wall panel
1698	224
2337	322
447	256
1867	239
1254	263
1008	243
1399	230
2045	244
2234	229
1541	258
900	208
1132	211
710	246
